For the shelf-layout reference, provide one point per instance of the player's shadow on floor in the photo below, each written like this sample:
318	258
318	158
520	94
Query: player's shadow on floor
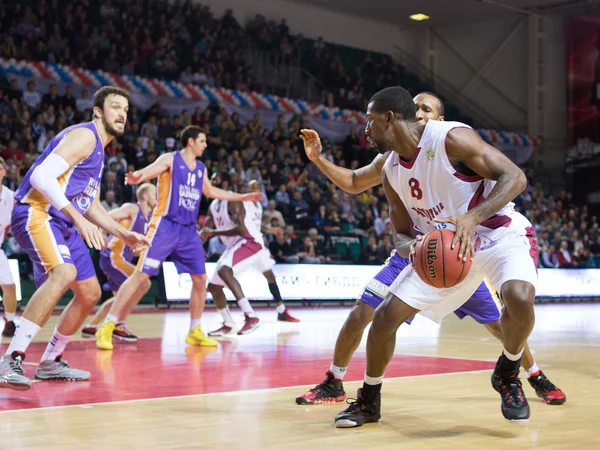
417	428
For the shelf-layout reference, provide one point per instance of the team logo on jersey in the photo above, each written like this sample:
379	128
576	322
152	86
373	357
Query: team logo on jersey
430	154
199	174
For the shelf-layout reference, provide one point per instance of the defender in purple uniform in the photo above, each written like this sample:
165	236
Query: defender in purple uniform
115	259
483	306
58	208
181	182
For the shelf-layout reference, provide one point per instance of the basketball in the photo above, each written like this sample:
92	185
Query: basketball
436	263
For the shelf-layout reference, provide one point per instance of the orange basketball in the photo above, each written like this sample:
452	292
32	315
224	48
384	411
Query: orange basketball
436	263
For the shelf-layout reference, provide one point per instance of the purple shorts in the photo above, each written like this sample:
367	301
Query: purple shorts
117	270
482	305
181	242
50	242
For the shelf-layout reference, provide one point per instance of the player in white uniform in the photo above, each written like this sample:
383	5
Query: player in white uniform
442	174
239	225
7	283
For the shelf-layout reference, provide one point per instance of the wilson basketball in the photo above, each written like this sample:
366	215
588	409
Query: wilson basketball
436	263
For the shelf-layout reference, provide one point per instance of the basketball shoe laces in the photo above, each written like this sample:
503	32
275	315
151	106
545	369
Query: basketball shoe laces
325	389
15	364
513	390
544	383
356	404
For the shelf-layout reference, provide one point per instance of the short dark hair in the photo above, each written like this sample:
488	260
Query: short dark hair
438	98
101	94
395	99
191	131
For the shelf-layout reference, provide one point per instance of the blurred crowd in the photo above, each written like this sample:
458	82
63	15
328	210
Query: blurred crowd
183	41
319	222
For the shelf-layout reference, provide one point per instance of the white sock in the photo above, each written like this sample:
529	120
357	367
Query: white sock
112	318
120	324
338	372
226	315
532	370
511	356
194	323
280	308
9	316
56	346
245	305
26	331
373	381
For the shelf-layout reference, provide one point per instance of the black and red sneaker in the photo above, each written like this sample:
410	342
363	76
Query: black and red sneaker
123	334
329	391
9	328
507	383
286	317
359	412
89	332
546	390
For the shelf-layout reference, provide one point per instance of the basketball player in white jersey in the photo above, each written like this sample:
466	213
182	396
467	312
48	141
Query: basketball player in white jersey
483	306
239	225
438	175
9	290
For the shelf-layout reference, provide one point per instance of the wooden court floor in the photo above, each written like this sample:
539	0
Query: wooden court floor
162	394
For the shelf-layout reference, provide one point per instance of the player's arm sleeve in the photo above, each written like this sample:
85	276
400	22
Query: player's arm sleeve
74	147
44	179
399	218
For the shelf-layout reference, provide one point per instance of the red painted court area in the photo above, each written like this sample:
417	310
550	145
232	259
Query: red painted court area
154	368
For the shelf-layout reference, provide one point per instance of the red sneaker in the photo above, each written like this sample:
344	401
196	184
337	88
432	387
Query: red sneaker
285	317
123	334
546	390
9	328
250	324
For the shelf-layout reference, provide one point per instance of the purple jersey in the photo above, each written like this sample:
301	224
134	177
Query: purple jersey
180	192
80	183
138	225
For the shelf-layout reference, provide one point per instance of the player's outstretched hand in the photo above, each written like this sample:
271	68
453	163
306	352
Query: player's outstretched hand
465	230
91	234
253	197
133	177
413	248
312	143
137	242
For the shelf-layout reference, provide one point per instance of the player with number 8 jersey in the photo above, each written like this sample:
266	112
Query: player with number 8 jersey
182	180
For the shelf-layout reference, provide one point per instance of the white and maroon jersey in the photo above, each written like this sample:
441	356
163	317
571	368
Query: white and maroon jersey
7	200
253	221
431	188
220	214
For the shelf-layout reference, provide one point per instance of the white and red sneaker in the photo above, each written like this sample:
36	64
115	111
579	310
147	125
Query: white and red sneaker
225	330
250	324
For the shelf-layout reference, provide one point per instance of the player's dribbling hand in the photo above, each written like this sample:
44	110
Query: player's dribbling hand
90	233
312	144
465	230
253	197
413	248
137	242
132	178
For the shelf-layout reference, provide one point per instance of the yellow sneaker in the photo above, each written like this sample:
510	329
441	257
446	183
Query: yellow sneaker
104	335
197	337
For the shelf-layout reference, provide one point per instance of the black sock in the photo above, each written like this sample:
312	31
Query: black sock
275	292
370	391
507	365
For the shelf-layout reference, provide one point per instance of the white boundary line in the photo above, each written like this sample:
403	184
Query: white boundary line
212	394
